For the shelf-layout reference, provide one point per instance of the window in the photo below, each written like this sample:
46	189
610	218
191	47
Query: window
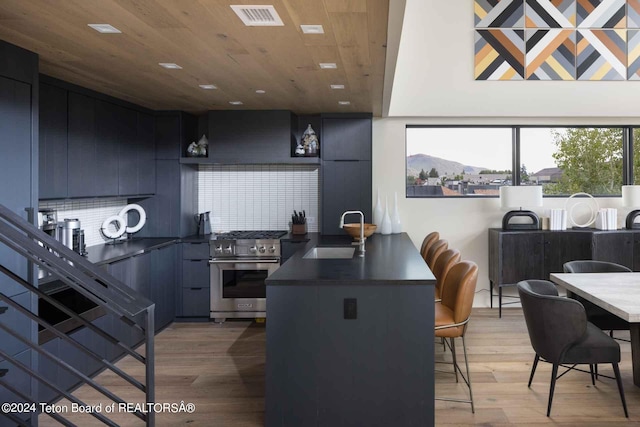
572	160
460	161
476	161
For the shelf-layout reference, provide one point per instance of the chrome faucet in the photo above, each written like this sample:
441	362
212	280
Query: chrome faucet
361	240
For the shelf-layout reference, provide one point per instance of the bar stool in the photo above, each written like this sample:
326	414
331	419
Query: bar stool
441	268
429	240
435	251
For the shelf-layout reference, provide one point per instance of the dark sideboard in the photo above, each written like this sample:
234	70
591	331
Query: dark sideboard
534	254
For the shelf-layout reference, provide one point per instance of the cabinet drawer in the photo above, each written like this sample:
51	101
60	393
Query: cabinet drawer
195	302
195	251
195	273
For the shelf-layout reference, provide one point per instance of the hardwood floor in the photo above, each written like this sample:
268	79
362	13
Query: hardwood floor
221	370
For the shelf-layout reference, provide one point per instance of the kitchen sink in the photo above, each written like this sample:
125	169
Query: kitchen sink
325	252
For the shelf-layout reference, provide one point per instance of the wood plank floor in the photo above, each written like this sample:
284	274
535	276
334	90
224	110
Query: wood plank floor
220	368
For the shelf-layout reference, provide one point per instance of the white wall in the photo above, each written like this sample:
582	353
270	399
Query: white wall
462	221
434	76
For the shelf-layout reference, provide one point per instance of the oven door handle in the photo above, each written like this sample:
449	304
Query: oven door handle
245	261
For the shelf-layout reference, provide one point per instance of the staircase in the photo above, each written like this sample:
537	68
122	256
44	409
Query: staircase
131	310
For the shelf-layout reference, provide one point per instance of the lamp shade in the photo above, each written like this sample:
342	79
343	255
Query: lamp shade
631	196
520	196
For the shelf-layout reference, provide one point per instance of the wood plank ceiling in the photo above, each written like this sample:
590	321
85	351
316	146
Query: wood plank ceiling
213	46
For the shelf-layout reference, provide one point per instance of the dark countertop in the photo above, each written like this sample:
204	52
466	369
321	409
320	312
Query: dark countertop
388	260
107	253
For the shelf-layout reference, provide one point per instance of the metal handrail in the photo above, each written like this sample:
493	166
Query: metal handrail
91	282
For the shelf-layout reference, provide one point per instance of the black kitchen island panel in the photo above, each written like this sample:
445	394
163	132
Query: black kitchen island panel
350	342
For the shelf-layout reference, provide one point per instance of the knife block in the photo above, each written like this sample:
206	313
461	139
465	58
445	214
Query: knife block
298	229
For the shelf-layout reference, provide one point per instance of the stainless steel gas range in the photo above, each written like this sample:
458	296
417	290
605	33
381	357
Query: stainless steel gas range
240	261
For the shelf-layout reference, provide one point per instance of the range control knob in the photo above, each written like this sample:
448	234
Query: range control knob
218	249
272	249
262	249
253	249
228	250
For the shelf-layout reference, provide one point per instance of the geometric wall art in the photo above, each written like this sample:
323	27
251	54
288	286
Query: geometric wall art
601	13
550	54
550	14
633	54
499	54
499	13
594	40
601	55
633	14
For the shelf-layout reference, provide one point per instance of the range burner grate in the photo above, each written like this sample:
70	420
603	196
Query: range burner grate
254	234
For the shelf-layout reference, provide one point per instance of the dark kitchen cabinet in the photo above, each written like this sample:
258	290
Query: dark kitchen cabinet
195	289
93	147
346	168
290	247
146	154
346	138
176	197
346	185
128	151
16	167
53	142
245	137
19	91
164	276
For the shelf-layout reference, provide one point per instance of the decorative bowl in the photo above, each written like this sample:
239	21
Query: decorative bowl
353	229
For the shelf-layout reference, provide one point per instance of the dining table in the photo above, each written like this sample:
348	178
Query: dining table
618	293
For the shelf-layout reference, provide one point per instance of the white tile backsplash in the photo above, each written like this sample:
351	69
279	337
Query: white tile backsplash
257	197
90	212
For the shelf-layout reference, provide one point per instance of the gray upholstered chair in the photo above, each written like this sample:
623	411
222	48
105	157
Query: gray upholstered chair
560	334
597	315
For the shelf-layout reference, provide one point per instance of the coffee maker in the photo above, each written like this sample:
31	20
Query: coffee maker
48	221
71	235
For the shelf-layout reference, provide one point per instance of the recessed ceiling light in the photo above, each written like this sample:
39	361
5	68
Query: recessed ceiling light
326	65
105	28
209	87
258	15
312	29
170	65
337	86
261	91
344	102
235	102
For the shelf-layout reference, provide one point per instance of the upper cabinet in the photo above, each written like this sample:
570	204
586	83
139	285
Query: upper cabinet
91	147
252	137
53	142
346	137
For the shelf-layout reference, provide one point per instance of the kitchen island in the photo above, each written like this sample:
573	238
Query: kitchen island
350	341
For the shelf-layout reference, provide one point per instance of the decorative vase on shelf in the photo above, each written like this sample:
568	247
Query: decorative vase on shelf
377	214
396	225
386	221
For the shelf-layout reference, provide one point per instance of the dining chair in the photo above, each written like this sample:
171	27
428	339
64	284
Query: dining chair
560	334
429	240
452	316
435	250
597	315
441	268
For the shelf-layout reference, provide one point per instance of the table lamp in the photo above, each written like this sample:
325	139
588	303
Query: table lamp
631	199
520	196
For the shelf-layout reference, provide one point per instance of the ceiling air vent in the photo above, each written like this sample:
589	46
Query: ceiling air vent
258	15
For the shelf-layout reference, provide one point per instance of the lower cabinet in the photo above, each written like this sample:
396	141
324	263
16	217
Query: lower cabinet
195	289
154	275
